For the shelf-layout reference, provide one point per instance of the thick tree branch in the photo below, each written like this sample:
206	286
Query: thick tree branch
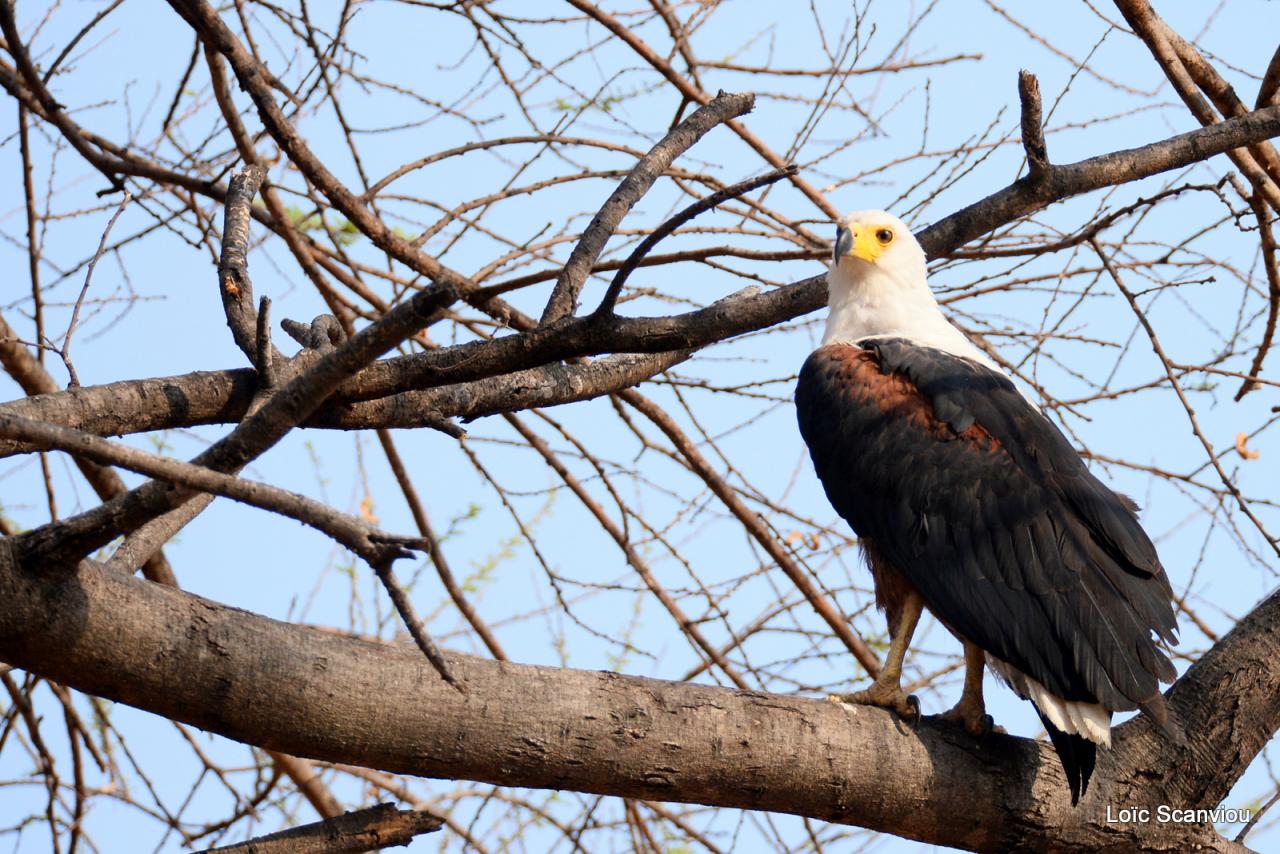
203	398
220	397
283	411
1180	62
351	701
1107	170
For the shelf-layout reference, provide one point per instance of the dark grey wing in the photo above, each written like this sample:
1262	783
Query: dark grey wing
987	509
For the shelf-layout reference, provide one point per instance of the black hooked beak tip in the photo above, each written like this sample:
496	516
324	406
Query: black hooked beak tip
844	242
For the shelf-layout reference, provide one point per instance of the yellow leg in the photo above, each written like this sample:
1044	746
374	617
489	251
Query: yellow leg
971	711
886	691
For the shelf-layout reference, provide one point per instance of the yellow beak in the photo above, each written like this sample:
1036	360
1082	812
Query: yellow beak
858	241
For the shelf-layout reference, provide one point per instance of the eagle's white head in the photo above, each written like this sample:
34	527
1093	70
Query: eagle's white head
877	288
868	241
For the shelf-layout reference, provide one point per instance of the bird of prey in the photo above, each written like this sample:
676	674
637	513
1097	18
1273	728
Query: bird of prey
969	502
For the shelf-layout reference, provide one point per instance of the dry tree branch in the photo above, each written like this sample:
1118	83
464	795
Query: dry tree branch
64	350
372	828
218	397
1272	541
1271	267
1160	40
564	296
1032	126
610	300
209	395
108	634
372	545
545	366
234	284
260	430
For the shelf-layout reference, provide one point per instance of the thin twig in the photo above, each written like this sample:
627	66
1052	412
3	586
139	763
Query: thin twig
265	361
758	529
1274	542
65	350
414	624
1257	814
433	547
564	296
610	300
1271	264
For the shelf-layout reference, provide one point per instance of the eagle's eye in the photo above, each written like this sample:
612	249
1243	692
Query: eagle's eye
885	236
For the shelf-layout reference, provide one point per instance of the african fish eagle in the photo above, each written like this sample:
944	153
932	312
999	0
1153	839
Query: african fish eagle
969	502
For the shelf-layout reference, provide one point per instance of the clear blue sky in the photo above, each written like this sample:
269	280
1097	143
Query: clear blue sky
247	559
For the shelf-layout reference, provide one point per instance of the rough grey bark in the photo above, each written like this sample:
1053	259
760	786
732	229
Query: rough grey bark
346	700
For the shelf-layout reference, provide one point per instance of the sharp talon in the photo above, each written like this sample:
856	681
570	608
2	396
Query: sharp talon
913	704
974	721
885	697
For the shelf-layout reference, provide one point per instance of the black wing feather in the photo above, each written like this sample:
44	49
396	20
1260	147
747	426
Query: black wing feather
1013	543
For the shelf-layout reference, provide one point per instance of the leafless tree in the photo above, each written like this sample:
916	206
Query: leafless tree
558	210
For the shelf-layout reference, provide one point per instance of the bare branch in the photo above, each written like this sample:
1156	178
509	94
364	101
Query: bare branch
259	431
610	300
1271	266
371	828
564	297
364	540
1160	39
234	284
65	349
1270	87
1032	129
105	632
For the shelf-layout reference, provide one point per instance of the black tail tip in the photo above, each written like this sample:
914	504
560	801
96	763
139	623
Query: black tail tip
1078	756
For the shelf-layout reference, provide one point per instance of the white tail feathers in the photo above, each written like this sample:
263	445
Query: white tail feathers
1090	720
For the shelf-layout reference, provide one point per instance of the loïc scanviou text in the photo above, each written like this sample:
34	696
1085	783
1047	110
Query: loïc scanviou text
1165	814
